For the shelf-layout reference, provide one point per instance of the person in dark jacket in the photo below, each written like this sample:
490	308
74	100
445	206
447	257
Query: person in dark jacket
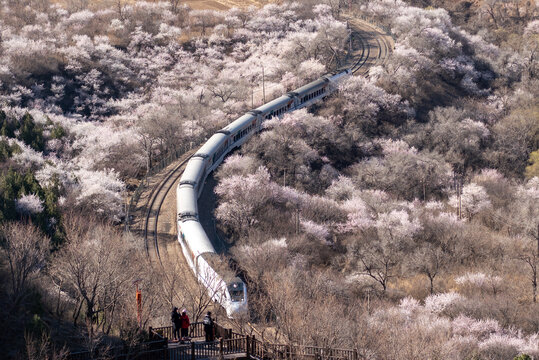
208	327
184	319
176	323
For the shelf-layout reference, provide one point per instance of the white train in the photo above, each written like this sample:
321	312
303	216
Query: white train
223	285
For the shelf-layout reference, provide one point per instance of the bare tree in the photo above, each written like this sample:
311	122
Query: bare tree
148	130
309	308
437	247
528	252
379	257
204	19
429	260
42	349
178	287
96	268
25	250
174	4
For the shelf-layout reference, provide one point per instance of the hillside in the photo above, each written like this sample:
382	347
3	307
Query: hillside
400	217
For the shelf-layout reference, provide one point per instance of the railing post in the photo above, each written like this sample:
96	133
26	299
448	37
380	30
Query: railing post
247	343
221	355
192	351
356	357
253	345
165	348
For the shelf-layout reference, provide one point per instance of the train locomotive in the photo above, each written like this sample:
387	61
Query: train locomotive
222	284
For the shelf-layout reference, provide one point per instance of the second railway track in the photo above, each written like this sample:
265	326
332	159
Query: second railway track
154	204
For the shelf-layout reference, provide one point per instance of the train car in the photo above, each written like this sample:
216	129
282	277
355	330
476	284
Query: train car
186	202
318	89
241	129
214	150
223	285
195	173
276	107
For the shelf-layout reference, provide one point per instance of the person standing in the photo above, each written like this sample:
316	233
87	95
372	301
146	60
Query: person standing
208	326
176	324
184	319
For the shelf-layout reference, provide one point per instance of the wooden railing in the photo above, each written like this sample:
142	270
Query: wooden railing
293	352
196	330
229	343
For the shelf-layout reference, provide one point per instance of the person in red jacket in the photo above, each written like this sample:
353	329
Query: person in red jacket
184	324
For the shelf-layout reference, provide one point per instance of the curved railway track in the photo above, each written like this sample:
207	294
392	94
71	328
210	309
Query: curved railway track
372	47
153	208
159	223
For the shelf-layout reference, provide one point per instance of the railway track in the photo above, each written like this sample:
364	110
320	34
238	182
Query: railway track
159	218
372	47
158	227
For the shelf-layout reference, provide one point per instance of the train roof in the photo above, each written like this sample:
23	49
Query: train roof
300	92
186	201
338	74
275	104
193	171
342	70
198	241
239	123
211	145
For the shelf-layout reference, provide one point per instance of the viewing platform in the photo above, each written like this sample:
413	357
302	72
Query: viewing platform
229	345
